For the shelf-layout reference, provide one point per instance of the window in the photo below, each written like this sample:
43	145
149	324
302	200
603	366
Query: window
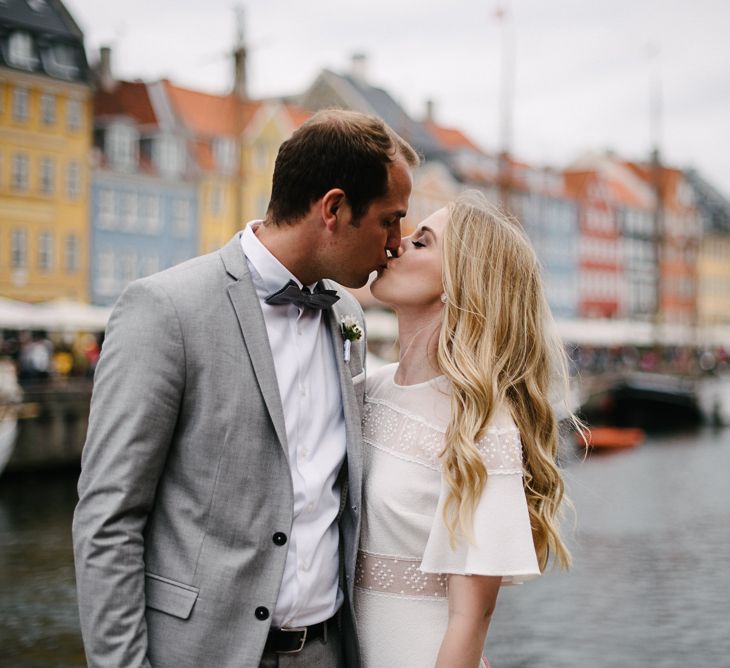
71	253
150	213
261	157
170	155
105	272
121	146
48	109
224	151
45	251
20	172
22	52
128	210
73	114
73	179
20	104
60	60
18	249
216	200
48	173
106	209
181	218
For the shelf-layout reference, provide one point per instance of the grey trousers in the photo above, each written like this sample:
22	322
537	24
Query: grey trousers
316	654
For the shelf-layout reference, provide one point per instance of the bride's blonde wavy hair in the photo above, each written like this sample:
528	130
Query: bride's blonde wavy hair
498	347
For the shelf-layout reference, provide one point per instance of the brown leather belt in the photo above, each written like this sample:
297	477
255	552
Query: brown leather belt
293	640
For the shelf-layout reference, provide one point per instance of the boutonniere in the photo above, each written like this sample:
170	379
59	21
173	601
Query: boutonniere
351	331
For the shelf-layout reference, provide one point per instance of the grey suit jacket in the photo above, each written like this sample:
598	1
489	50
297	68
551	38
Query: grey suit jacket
185	477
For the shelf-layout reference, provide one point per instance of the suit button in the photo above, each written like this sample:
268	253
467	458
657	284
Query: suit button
261	613
279	538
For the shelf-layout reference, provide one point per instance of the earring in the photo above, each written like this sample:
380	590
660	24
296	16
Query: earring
444	298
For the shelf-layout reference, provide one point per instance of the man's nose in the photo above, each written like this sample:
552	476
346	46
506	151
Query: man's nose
394	241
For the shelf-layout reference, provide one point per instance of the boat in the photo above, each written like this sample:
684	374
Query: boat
611	438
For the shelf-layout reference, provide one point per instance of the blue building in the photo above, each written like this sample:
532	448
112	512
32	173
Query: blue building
144	208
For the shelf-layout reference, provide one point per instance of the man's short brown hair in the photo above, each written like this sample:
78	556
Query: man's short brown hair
335	149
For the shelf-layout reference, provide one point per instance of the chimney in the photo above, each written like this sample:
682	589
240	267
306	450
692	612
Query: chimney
359	67
104	69
430	110
239	73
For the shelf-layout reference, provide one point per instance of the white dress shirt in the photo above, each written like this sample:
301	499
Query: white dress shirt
309	385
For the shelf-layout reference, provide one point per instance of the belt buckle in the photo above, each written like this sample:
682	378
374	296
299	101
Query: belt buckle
302	639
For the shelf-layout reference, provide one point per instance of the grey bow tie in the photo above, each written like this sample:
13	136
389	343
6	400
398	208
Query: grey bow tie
291	293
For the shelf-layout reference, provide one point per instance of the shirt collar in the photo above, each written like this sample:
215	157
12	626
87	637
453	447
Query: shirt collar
269	275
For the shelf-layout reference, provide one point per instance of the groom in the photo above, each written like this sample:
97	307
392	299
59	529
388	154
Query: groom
219	496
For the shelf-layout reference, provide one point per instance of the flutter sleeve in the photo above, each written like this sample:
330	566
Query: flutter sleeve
502	543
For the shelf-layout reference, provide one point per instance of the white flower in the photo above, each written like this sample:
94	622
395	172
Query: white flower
351	331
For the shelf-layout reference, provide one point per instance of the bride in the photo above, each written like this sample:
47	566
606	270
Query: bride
461	488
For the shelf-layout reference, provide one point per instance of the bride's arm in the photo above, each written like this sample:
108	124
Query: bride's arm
472	599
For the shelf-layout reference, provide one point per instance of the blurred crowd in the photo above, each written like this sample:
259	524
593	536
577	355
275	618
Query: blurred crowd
38	356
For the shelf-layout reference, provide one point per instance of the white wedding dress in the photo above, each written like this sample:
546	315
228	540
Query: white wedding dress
401	583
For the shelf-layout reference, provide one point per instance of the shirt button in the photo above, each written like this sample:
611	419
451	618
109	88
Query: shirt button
305	452
261	613
279	538
310	507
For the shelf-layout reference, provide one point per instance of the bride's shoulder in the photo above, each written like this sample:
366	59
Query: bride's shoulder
379	377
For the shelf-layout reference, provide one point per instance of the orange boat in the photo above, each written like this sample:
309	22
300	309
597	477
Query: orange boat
612	437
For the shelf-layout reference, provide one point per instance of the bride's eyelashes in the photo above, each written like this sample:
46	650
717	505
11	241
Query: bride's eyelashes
418	244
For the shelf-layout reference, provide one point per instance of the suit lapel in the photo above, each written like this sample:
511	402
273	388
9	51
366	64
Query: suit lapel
353	425
251	321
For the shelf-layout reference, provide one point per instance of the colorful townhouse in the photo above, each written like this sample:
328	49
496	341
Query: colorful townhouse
212	126
678	232
713	262
599	276
144	199
45	145
269	125
550	217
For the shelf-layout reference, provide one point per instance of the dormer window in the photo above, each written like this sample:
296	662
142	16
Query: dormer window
22	51
169	155
121	146
224	151
60	61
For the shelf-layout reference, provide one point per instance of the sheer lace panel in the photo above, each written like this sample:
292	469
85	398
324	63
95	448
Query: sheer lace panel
408	436
393	575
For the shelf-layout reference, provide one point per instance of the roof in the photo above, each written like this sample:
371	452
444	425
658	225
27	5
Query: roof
128	98
209	115
49	24
298	115
451	138
44	16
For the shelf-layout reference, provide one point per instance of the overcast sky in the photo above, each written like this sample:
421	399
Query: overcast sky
582	70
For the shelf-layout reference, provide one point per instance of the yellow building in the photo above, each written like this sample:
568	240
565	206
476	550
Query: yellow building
45	138
713	268
270	125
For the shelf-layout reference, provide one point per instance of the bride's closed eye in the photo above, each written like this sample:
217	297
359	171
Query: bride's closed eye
418	244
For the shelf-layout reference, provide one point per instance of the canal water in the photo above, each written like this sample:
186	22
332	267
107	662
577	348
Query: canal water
650	586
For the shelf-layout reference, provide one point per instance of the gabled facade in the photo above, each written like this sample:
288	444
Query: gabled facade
45	117
212	126
678	231
270	125
144	205
599	257
713	262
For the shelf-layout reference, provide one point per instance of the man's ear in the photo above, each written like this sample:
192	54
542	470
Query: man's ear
332	204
